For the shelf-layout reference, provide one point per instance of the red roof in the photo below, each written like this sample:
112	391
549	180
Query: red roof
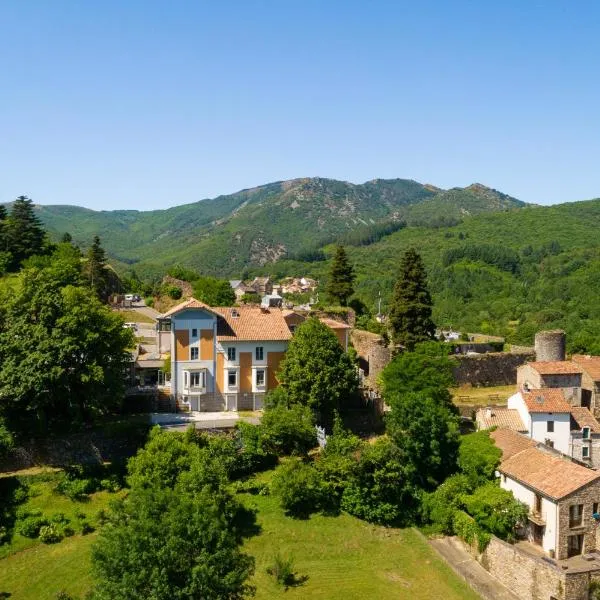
547	400
590	365
556	367
187	304
251	323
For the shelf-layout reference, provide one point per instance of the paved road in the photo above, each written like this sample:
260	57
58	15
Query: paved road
145	310
465	566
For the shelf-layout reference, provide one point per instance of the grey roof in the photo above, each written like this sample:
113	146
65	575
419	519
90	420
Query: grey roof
234	283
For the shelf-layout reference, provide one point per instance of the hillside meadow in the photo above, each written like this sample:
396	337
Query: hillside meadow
334	558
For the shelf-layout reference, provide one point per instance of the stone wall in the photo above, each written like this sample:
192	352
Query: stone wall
113	444
373	355
533	578
494	368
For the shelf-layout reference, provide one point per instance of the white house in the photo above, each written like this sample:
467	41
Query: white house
562	496
546	415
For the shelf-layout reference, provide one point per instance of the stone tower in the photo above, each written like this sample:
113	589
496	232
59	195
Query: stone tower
550	345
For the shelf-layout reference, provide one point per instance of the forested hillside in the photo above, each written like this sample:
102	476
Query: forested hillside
258	226
507	273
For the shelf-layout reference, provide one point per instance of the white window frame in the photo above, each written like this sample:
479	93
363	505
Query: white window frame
231	353
194	350
235	373
188	379
585	451
264	378
262	353
586	433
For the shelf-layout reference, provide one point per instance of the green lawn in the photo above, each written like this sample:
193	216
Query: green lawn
341	557
133	316
482	396
347	559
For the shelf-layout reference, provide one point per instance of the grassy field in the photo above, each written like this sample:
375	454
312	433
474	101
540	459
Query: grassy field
340	558
344	558
482	396
133	316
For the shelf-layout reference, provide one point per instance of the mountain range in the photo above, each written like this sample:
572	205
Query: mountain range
254	227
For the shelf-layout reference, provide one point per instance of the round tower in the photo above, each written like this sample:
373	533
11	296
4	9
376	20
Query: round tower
550	345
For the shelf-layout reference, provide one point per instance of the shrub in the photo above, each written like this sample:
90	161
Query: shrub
478	457
102	517
59	519
68	531
299	488
253	456
86	527
439	507
111	484
380	488
288	430
282	570
50	534
467	529
30	526
173	291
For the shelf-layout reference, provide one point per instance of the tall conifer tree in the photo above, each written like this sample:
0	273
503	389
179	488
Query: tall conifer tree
95	269
341	278
25	234
410	314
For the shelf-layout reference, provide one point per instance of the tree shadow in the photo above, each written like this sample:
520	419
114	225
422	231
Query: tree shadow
294	581
12	493
245	524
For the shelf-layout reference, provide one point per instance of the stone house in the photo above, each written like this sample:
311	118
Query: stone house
590	381
262	285
239	288
564	374
563	497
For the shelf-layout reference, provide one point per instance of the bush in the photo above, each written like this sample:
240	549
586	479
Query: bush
253	456
299	488
380	489
288	431
439	507
111	484
86	527
172	291
467	529
102	517
59	519
282	570
478	457
30	526
68	531
75	489
50	534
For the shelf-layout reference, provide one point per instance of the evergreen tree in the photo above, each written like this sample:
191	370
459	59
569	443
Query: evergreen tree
341	278
5	255
410	313
95	269
67	238
24	233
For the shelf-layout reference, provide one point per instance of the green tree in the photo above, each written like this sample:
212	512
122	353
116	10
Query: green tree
288	430
427	369
478	457
62	353
177	533
341	278
316	372
380	489
5	255
410	312
95	269
427	434
24	232
213	291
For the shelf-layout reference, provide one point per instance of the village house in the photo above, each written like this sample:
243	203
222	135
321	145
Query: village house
590	381
545	416
563	374
262	285
226	358
562	496
239	288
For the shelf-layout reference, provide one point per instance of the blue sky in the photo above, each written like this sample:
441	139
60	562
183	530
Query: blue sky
144	104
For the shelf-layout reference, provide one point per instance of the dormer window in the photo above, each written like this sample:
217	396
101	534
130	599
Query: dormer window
585	433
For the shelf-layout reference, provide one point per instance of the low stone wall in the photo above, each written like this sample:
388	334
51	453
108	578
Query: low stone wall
533	578
114	444
494	368
372	352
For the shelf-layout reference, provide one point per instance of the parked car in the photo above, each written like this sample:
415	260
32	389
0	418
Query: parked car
131	326
129	297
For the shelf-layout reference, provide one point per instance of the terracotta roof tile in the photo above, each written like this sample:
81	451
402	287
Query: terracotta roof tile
551	475
590	364
582	417
252	323
551	400
333	324
556	367
191	303
500	417
511	442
